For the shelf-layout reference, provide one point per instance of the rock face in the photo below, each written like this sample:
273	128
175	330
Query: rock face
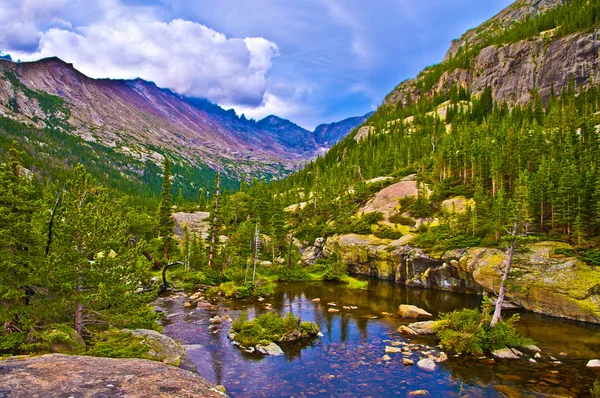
543	281
164	349
78	376
386	200
197	223
515	70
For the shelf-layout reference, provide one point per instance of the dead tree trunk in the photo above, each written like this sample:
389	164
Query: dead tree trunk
165	285
502	292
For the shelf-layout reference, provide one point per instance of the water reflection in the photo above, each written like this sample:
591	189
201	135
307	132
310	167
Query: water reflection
347	360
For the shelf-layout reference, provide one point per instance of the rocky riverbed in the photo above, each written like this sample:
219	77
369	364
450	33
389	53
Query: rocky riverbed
363	353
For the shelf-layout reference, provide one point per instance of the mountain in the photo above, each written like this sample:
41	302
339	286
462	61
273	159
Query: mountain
531	46
327	135
140	120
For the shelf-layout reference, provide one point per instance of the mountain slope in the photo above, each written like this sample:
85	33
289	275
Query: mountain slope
329	134
141	120
533	45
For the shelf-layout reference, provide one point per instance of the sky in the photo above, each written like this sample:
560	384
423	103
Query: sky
310	61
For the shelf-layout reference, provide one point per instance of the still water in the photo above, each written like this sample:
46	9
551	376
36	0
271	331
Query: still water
347	360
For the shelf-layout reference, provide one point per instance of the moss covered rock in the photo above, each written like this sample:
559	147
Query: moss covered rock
541	281
164	349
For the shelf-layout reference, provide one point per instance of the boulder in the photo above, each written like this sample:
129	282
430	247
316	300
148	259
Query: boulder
59	375
412	312
507	353
457	205
427	364
548	283
164	349
593	363
386	200
270	349
407	331
423	328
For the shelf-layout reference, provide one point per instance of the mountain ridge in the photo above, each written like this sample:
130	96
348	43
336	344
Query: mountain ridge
139	117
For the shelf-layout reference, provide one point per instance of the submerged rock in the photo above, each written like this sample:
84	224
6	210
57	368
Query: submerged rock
390	350
418	393
412	312
427	364
83	376
507	353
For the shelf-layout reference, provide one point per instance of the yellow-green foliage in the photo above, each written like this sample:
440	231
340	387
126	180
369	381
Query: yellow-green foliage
354	283
468	332
116	344
595	390
271	327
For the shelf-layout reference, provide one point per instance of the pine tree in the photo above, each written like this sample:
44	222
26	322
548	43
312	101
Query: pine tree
165	212
20	248
92	268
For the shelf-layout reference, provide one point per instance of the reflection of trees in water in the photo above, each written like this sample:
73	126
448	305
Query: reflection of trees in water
344	322
217	352
362	325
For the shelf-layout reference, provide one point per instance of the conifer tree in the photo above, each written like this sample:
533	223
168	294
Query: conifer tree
20	248
165	211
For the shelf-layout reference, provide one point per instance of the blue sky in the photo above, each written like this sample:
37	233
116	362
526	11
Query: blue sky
311	61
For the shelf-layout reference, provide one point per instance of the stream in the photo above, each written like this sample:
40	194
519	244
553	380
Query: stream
347	360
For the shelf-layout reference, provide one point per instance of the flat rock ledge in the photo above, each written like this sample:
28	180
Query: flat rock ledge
58	375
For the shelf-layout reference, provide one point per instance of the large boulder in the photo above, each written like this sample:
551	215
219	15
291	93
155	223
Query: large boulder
423	328
59	375
386	200
164	349
542	281
412	312
457	205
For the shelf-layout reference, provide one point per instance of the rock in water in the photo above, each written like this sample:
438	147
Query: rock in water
423	328
418	393
427	364
412	312
216	319
506	353
164	349
593	363
391	350
407	331
82	376
271	349
408	362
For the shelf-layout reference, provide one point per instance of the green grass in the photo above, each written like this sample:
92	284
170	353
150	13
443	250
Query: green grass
354	283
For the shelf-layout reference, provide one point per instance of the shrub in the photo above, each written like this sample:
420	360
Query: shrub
595	389
354	283
293	274
270	327
387	232
240	291
468	332
116	344
398	218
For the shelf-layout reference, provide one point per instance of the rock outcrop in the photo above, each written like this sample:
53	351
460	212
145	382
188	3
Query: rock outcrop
164	349
197	223
59	375
513	71
541	280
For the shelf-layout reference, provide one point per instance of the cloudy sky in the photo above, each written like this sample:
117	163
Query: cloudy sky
311	61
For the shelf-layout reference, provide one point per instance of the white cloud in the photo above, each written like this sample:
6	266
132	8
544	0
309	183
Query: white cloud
184	56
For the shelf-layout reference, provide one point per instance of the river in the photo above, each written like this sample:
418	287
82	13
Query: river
347	360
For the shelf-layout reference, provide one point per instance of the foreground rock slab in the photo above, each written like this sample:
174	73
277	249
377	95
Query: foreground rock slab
58	375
